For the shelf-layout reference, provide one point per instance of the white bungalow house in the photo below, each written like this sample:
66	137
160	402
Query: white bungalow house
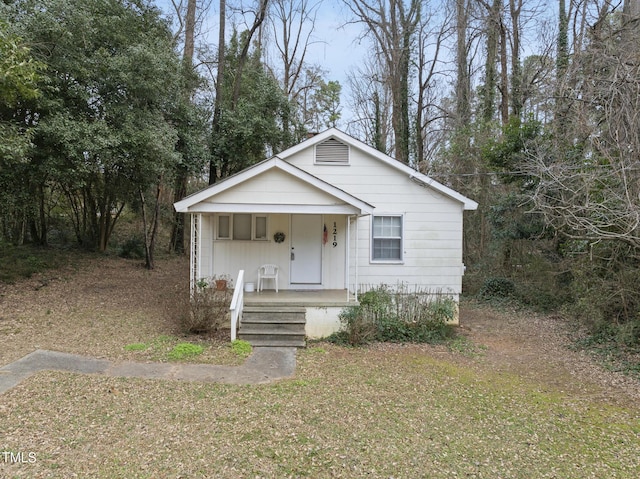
336	217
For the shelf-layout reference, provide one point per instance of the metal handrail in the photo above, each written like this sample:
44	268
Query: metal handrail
237	304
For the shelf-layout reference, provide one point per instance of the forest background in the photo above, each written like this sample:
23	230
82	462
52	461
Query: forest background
110	110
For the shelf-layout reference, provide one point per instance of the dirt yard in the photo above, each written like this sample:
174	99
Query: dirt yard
508	401
98	305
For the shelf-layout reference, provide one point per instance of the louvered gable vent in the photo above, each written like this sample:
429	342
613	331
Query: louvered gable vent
332	152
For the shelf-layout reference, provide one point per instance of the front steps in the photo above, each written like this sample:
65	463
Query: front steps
273	325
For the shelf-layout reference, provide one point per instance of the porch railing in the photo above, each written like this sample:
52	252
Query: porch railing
237	304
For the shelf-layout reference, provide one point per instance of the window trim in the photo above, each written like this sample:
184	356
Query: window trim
372	259
254	217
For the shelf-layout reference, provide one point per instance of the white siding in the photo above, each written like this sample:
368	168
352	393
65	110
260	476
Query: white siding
229	256
275	187
333	257
432	223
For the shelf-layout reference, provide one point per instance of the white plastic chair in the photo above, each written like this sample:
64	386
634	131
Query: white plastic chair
267	271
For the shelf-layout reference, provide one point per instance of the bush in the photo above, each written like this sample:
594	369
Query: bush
357	327
204	310
133	248
497	288
397	316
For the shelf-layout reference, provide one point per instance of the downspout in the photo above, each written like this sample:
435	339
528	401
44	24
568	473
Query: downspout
357	254
192	255
348	247
199	233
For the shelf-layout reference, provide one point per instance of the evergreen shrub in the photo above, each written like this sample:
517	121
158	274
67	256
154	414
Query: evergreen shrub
396	315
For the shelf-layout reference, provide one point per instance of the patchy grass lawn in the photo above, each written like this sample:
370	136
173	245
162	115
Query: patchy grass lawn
519	406
348	413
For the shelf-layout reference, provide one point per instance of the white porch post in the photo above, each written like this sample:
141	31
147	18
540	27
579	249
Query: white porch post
196	250
192	254
348	244
357	254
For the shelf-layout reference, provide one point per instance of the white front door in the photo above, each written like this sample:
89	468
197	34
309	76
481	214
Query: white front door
306	249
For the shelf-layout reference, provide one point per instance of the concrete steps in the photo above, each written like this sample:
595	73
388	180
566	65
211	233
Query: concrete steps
273	325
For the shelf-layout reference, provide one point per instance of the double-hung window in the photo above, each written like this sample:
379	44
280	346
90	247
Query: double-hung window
386	239
241	226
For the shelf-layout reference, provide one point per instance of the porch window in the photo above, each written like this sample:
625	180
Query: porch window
386	239
241	226
261	228
224	227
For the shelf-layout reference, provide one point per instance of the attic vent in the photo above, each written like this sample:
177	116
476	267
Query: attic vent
332	152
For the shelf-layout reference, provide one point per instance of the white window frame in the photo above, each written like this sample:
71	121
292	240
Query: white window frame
230	237
217	224
401	238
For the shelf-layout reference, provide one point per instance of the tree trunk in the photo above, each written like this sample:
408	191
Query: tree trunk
257	22
517	102
490	73
217	107
504	76
176	243
463	80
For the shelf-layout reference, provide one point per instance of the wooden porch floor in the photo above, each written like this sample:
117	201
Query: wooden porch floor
308	298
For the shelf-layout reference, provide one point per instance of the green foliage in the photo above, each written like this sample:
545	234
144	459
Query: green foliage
326	105
133	248
356	327
241	348
108	117
507	153
18	82
511	219
19	262
497	288
397	316
251	122
617	346
185	351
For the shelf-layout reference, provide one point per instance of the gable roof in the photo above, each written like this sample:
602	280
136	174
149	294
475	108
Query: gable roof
197	202
413	174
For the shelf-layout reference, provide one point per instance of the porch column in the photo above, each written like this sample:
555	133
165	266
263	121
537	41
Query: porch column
196	250
357	254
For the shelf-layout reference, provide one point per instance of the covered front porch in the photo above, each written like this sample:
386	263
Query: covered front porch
275	213
312	298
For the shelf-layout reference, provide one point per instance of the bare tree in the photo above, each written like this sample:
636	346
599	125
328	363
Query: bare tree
371	104
430	44
293	24
393	26
588	177
463	75
217	106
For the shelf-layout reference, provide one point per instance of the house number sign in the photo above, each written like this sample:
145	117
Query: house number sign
335	234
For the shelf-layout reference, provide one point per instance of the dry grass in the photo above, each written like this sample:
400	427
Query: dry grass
520	407
97	307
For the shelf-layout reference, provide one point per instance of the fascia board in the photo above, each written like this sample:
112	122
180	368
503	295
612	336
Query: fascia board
190	204
468	203
183	205
275	208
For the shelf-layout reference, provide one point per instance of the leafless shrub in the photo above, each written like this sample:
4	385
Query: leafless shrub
203	310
